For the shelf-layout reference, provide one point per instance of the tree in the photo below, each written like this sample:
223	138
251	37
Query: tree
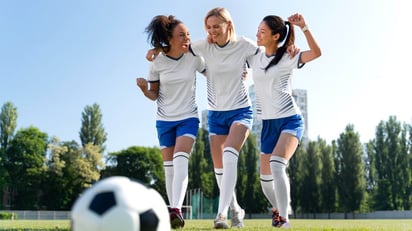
296	163
141	163
71	170
392	165
350	170
405	180
8	124
25	158
56	182
311	179
92	130
241	180
201	174
409	151
89	165
370	170
251	193
328	183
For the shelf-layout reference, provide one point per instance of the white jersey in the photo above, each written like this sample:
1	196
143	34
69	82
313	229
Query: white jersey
177	85
226	87
273	88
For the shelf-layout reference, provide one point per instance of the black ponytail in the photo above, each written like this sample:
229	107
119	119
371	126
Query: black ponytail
285	29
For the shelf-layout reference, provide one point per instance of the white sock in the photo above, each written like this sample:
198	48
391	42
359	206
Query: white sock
168	168
233	203
268	188
230	158
180	178
218	176
282	186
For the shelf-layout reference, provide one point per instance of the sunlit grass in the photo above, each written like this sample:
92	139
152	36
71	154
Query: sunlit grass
24	225
315	225
253	225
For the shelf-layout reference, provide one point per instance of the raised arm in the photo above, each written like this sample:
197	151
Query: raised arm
314	49
151	92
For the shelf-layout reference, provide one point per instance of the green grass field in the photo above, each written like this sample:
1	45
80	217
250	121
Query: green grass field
253	225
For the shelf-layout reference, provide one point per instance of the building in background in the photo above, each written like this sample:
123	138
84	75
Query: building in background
203	120
301	99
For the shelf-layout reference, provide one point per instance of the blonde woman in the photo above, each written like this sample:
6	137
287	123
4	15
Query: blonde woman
230	111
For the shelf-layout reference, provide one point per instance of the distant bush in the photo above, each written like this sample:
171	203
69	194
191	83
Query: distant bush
8	216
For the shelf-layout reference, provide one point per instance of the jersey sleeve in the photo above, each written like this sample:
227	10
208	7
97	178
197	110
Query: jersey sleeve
250	46
201	64
199	47
295	61
153	73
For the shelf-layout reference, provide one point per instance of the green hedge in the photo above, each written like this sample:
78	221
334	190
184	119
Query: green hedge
8	216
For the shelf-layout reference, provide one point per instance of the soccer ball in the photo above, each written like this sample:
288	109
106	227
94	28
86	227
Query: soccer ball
118	203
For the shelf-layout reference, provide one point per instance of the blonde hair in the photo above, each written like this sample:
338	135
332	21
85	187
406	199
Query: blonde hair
223	15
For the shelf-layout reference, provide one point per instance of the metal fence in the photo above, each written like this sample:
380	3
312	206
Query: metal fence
407	214
39	215
189	213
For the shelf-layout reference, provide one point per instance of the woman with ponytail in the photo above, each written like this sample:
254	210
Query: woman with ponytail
172	84
282	122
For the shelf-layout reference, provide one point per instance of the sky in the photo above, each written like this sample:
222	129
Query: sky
59	56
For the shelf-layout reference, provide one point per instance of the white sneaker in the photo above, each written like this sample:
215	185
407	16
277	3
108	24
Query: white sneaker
220	222
236	218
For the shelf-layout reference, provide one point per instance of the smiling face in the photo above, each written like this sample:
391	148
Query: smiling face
180	40
218	30
264	35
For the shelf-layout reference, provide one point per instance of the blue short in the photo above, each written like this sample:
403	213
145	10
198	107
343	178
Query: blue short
168	131
271	130
221	121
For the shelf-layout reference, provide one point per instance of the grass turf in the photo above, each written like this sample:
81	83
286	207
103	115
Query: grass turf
250	224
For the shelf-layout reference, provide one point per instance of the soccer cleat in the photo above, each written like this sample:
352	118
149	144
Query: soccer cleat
275	217
220	222
176	218
281	223
236	218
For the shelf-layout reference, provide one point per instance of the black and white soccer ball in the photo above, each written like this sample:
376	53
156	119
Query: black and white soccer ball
120	204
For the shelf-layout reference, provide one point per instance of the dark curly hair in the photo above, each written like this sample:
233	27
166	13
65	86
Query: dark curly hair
160	31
